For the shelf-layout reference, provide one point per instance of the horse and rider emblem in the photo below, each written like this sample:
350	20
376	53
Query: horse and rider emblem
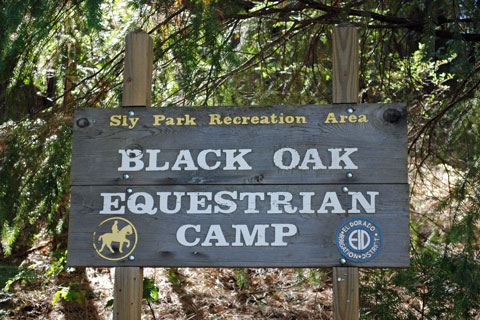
115	238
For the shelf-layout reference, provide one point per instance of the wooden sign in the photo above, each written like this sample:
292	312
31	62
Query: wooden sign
309	186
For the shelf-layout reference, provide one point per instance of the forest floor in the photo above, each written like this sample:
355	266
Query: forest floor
46	289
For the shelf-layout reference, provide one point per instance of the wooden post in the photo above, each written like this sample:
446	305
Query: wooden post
345	90
137	92
137	76
345	64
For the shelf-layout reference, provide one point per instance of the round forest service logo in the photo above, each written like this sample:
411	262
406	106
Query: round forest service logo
115	238
359	240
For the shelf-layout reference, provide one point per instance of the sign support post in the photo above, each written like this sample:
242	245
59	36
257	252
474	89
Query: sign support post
137	92
345	90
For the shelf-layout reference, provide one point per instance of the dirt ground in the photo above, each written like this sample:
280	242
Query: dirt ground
184	293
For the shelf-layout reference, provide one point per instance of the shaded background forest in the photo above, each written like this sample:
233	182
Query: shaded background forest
58	56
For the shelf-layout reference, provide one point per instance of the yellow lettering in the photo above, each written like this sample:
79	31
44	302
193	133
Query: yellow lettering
254	120
157	119
133	122
245	120
227	120
300	119
273	117
265	120
342	118
170	121
214	119
362	118
115	120
331	118
352	118
190	121
237	120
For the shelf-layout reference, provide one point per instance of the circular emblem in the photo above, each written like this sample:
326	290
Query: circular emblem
359	239
115	238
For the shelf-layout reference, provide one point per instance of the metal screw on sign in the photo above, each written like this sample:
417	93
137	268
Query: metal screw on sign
349	175
131	113
131	257
350	110
343	261
345	189
126	176
129	190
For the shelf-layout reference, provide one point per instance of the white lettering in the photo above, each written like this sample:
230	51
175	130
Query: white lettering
231	159
197	203
306	202
202	159
163	206
152	161
345	158
278	158
241	231
181	235
281	233
221	201
111	206
312	156
141	208
215	233
359	197
281	198
251	200
331	200
184	158
131	160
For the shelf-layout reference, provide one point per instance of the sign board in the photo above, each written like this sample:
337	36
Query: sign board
281	186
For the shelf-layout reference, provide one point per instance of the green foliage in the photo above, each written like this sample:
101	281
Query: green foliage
313	277
24	274
94	14
72	292
109	303
172	275
439	285
242	278
58	266
34	188
150	290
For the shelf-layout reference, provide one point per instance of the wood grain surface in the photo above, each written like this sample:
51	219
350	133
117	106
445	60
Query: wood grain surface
381	155
313	245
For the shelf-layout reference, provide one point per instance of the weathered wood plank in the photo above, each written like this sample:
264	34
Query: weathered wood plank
381	156
158	244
